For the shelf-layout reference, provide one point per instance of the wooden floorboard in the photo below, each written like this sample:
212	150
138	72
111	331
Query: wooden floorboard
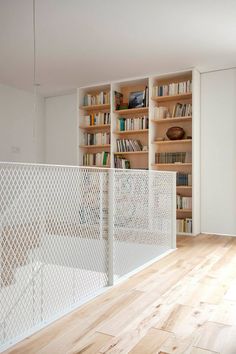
183	304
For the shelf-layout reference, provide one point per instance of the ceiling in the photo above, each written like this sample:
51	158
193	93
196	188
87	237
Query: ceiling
81	42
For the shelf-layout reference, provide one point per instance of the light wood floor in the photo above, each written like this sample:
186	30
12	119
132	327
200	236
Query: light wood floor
185	303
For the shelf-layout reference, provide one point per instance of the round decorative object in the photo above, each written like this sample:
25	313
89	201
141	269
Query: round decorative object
175	133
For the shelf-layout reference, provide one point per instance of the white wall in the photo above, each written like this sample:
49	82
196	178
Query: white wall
218	152
21	130
61	129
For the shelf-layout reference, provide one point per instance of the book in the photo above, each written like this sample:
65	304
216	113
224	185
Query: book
118	97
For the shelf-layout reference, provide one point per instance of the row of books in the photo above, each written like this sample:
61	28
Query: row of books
183	179
183	202
96	138
121	162
124	145
99	159
173	157
184	225
179	110
138	123
182	110
97	119
175	88
100	98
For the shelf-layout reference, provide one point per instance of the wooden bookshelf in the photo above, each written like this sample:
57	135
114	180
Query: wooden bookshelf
152	137
183	96
159	127
172	120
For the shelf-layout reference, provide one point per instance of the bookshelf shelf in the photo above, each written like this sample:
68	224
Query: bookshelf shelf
94	146
184	234
131	153
172	120
184	210
183	96
96	127
127	132
132	111
173	142
184	187
97	107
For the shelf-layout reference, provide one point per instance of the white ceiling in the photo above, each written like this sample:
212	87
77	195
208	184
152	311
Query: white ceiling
82	42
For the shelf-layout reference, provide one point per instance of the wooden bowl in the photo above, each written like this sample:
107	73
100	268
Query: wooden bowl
175	133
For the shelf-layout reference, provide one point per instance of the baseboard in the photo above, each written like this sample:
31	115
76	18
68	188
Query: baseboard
217	234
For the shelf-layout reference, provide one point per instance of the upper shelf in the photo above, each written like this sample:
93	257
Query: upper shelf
182	96
97	107
132	110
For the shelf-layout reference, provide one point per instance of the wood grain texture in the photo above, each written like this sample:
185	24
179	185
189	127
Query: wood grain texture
183	304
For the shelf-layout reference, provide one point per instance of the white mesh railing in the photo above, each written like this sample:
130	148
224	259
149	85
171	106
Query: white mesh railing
68	232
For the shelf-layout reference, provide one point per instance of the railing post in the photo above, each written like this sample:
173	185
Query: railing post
101	205
173	228
111	192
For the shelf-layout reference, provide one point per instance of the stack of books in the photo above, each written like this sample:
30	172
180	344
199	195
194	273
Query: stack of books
96	99
184	225
125	145
183	202
183	179
97	119
138	123
175	88
99	159
121	162
97	138
182	110
173	157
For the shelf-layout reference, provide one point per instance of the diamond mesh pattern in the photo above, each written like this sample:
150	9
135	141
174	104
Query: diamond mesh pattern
54	236
142	217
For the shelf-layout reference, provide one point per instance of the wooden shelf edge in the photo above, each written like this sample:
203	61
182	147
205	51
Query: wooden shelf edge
184	234
184	187
172	97
131	131
95	107
94	146
91	127
173	119
184	210
167	142
130	152
132	110
171	164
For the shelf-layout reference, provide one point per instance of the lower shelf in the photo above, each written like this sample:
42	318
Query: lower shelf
184	234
